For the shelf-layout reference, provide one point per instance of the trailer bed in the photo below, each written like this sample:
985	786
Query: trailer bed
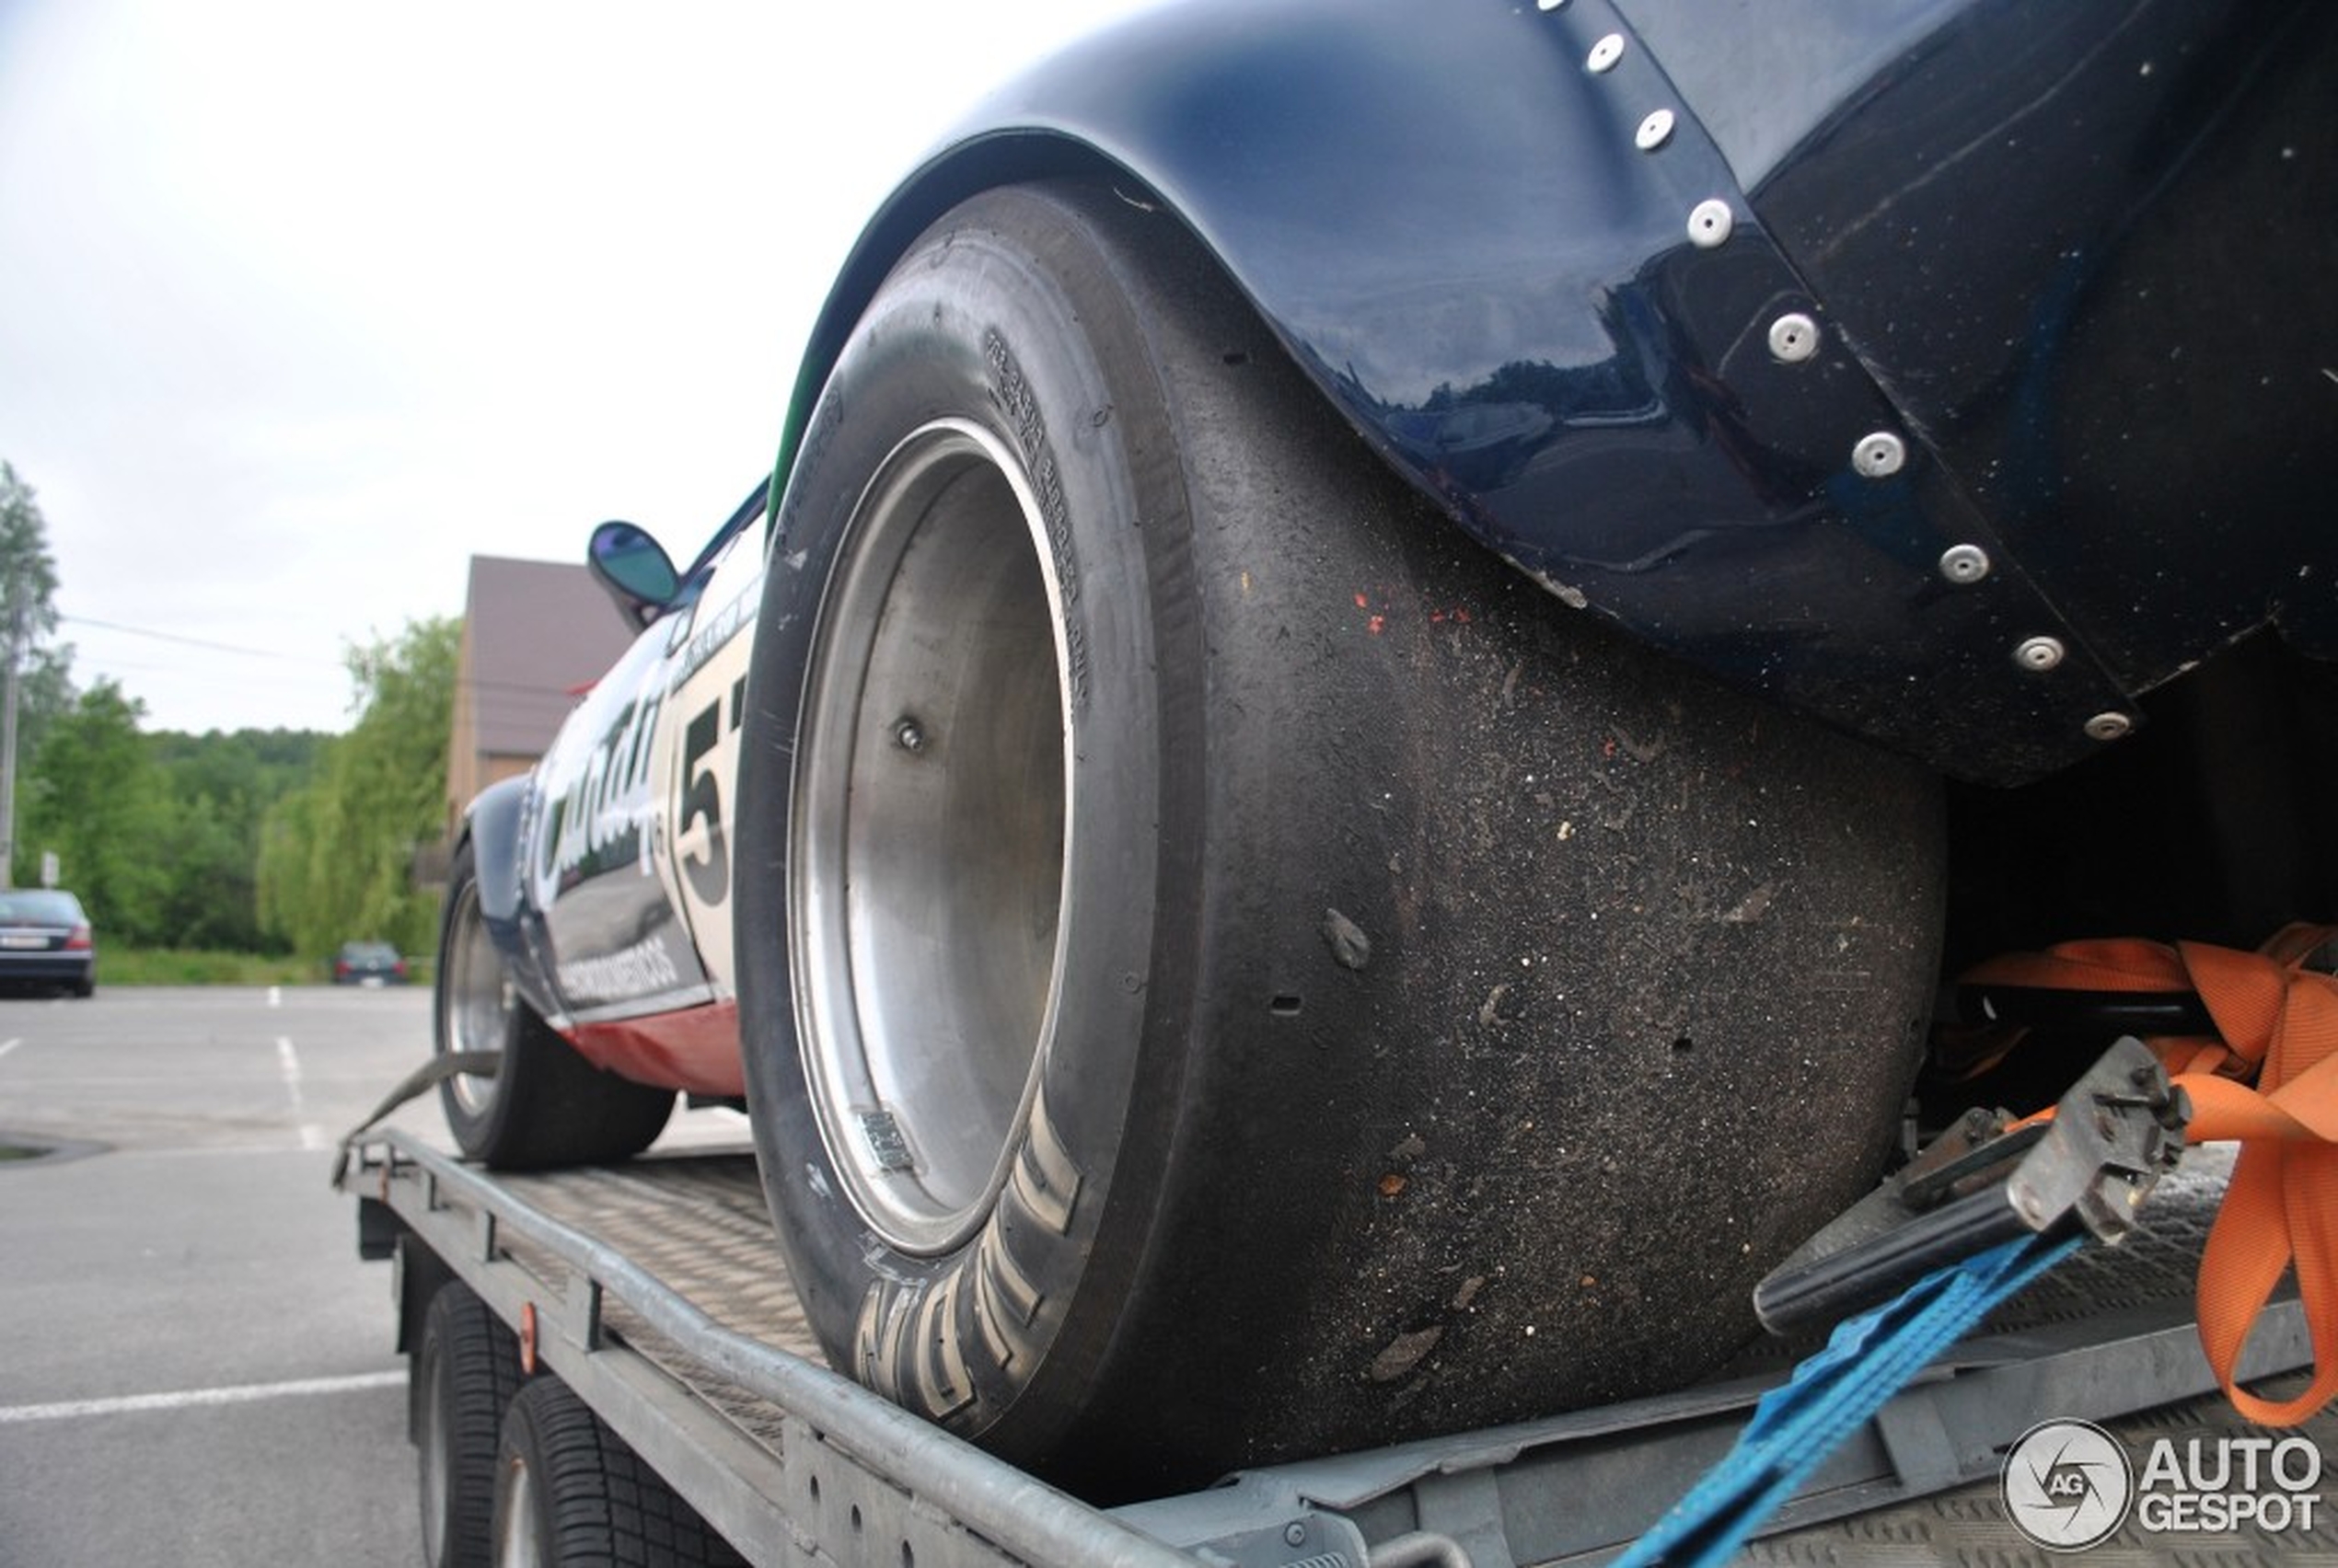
656	1290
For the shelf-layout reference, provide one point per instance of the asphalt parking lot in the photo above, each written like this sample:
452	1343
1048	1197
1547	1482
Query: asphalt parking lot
195	1367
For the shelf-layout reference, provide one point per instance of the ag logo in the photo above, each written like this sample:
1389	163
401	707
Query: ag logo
2068	1485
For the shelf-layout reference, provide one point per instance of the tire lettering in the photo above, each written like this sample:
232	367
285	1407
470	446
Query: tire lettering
1014	398
876	1341
1044	1177
913	1340
1005	1301
943	1381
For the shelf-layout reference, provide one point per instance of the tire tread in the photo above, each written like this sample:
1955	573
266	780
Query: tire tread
608	1509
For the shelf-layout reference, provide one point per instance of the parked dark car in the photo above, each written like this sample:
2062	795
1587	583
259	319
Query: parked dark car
368	963
45	943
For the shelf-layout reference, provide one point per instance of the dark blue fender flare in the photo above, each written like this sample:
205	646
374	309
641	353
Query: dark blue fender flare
1501	241
494	824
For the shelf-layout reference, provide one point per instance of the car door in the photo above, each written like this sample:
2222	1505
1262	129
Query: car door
616	945
705	706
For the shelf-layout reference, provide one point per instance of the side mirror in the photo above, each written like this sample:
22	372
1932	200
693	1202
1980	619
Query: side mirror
635	570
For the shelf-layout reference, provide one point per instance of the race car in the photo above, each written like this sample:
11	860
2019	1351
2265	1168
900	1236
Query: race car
586	928
1392	651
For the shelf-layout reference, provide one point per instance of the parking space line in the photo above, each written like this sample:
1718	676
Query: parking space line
198	1398
8	1045
288	1059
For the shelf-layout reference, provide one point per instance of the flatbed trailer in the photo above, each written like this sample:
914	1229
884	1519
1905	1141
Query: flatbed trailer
654	1291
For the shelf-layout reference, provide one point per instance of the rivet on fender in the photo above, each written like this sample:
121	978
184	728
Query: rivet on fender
2040	654
1794	338
1964	564
1880	456
1654	132
1710	224
1606	53
2109	726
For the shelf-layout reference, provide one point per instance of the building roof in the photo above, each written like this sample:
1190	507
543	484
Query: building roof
534	633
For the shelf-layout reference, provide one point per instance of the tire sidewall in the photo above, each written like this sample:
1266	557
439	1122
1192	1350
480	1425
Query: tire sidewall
1046	373
465	1350
523	1451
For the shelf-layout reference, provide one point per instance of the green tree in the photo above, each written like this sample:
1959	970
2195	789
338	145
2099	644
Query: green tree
94	796
37	687
220	787
335	857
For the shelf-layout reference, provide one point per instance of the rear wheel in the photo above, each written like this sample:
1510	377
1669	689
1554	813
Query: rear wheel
1239	972
570	1493
545	1105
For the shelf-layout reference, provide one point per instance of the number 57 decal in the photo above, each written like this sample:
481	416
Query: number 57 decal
705	853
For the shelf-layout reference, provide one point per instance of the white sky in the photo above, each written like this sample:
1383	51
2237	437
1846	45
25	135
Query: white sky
304	302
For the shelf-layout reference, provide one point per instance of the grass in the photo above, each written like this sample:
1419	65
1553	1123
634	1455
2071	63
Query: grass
176	966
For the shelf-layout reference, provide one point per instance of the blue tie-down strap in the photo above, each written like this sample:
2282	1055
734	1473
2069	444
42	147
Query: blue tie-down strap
1866	1360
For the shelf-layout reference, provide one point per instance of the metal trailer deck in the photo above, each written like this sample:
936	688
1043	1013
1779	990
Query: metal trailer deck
657	1291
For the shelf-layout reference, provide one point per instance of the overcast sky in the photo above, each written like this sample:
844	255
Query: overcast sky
303	302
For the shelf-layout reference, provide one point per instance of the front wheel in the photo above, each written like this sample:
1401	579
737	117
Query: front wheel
1230	970
545	1105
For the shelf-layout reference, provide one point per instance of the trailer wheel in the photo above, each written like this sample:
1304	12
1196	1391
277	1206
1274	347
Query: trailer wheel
546	1106
570	1493
1229	970
465	1372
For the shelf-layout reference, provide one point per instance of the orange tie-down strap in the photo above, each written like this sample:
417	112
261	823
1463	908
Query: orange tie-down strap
2268	1078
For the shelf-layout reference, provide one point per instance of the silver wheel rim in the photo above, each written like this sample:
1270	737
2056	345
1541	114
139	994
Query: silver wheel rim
517	1544
928	893
475	1000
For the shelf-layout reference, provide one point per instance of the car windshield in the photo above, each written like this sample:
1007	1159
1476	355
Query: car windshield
39	908
370	952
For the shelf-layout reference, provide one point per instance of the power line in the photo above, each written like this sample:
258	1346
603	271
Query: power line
189	641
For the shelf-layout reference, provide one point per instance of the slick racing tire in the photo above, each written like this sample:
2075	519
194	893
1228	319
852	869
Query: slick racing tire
1230	971
546	1106
466	1370
571	1494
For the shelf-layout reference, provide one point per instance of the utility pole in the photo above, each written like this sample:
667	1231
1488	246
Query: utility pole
8	741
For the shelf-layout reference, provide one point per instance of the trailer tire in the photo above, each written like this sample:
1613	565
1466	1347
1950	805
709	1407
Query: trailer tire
571	1494
465	1372
546	1106
1229	970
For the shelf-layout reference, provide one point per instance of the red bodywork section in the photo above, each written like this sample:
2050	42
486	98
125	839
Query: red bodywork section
696	1050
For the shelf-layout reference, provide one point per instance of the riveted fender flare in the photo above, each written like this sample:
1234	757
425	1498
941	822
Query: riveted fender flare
1472	228
494	825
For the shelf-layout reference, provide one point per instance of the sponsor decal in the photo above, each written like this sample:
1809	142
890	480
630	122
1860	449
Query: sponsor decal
714	633
642	970
596	821
2069	1485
